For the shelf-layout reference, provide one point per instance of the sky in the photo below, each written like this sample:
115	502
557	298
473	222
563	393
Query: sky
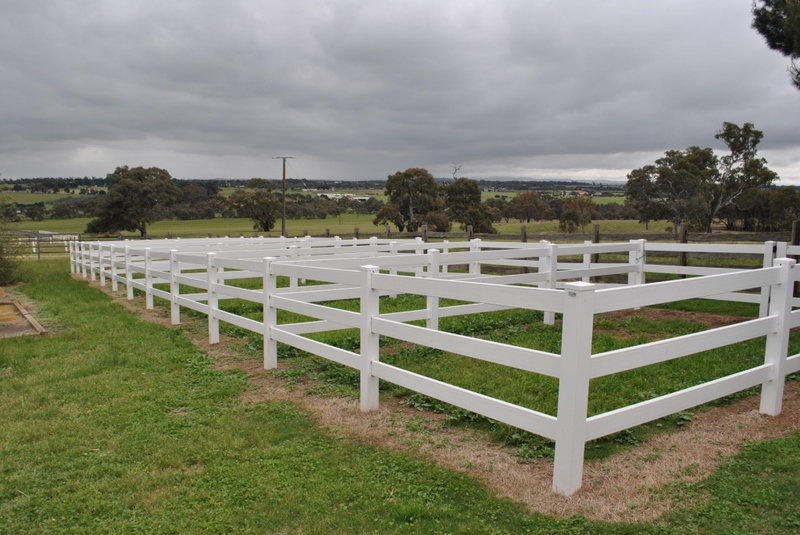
360	89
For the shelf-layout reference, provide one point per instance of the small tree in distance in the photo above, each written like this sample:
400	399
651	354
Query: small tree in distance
577	212
413	194
257	202
463	201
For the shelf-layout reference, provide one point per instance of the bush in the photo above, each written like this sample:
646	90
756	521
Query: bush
9	252
9	258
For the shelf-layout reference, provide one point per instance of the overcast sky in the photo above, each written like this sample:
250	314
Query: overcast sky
359	89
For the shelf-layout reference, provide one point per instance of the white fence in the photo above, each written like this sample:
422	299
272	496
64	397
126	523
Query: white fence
370	269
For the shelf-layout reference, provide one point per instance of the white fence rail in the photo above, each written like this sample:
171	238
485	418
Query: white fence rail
369	269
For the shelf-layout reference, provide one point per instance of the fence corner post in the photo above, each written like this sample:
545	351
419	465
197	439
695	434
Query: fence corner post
573	386
270	313
637	257
778	342
768	261
370	348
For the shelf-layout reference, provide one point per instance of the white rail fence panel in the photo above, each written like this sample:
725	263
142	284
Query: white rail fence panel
204	267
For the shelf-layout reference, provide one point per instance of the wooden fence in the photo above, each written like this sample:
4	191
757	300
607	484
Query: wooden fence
554	279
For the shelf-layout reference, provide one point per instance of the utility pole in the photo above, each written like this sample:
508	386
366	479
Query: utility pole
283	209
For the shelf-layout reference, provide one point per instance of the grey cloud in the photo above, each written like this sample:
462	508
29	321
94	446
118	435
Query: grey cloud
360	89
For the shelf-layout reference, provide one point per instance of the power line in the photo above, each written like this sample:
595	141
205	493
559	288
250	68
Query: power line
283	207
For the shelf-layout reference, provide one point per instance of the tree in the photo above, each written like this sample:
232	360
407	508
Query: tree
668	189
35	212
257	202
696	186
463	201
577	212
530	206
764	210
412	194
497	209
778	21
135	198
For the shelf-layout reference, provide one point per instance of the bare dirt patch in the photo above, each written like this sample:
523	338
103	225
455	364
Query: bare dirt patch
616	488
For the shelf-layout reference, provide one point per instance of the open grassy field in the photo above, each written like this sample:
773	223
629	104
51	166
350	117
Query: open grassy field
23	197
112	425
343	224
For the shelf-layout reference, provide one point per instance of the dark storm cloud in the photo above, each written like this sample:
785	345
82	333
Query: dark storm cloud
360	89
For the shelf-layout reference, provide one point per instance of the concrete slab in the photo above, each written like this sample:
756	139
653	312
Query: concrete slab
15	320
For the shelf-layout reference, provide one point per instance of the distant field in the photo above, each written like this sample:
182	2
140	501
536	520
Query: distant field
337	225
377	193
608	200
32	198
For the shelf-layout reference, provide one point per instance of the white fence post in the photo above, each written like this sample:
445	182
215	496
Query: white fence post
91	263
769	256
100	264
475	267
638	258
213	299
174	287
393	269
293	251
432	301
370	349
71	249
549	264
112	258
148	280
573	386
778	342
270	314
128	274
85	248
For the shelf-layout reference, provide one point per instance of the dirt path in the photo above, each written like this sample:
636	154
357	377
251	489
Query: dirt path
616	488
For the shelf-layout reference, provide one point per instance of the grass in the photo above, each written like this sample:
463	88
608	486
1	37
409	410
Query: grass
316	227
115	425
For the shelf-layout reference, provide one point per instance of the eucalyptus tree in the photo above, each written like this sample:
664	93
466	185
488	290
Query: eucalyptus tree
695	185
136	197
414	199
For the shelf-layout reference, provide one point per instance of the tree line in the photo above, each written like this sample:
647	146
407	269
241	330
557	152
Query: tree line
138	196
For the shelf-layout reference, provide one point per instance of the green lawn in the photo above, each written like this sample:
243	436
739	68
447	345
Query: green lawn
112	425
